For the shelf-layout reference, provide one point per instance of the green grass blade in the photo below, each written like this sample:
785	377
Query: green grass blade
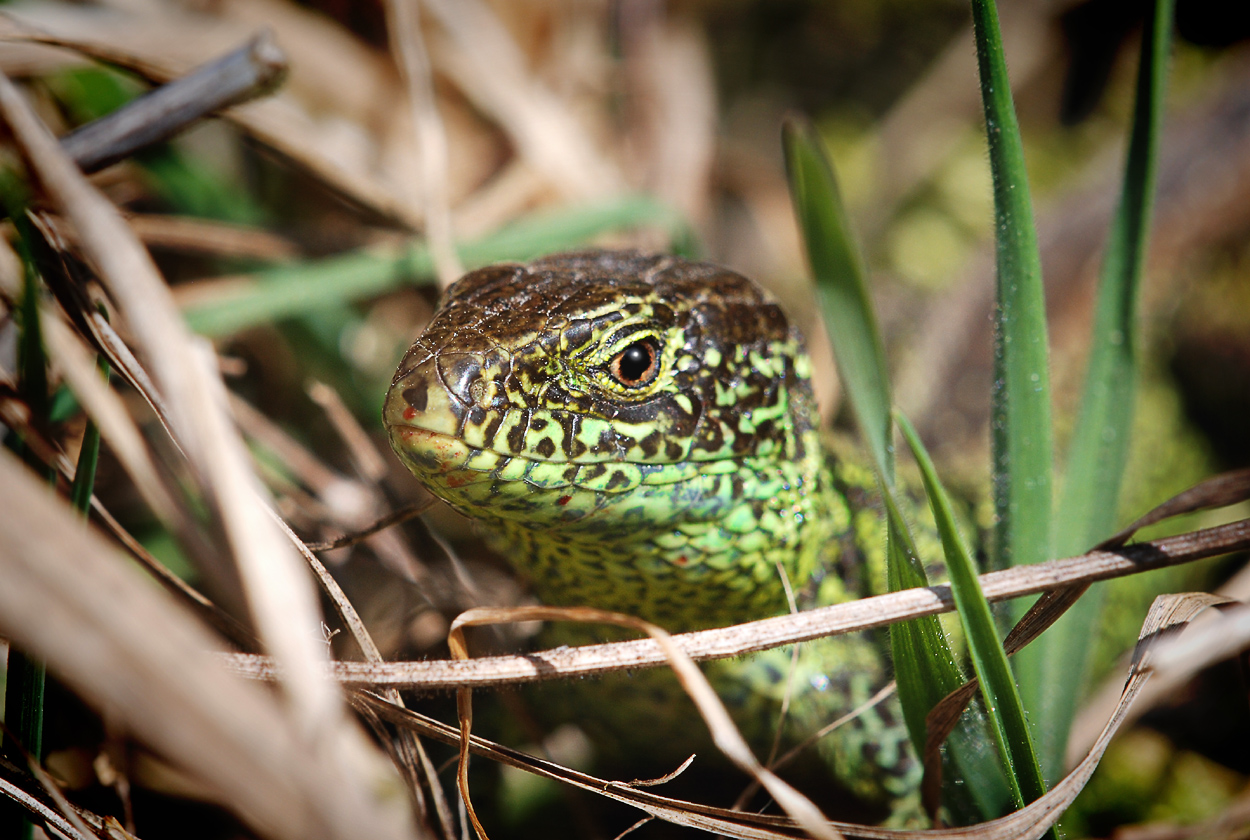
1022	443
293	290
998	684
924	666
1099	449
84	474
25	676
926	671
88	457
839	273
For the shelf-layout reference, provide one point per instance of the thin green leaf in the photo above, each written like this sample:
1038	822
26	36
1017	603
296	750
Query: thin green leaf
998	685
1022	444
923	664
296	289
1099	449
838	270
26	676
926	671
88	456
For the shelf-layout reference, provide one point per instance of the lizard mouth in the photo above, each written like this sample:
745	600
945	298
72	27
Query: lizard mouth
436	457
488	485
451	467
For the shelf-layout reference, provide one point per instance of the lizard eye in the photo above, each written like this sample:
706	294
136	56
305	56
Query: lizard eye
636	365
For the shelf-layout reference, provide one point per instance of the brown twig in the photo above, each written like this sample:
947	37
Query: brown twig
255	69
36	806
864	614
394	518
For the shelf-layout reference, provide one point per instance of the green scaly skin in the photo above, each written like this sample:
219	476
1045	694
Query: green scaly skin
679	494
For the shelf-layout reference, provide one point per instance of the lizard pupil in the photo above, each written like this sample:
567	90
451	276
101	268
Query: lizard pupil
637	364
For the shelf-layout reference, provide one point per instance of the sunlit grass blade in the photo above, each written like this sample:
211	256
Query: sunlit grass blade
293	290
1099	446
1022	443
924	666
926	671
1021	438
838	270
88	456
1098	451
998	685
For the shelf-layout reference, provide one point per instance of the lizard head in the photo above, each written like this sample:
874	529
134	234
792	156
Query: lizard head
633	431
545	391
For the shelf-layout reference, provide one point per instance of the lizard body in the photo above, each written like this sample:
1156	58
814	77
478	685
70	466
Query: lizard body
638	433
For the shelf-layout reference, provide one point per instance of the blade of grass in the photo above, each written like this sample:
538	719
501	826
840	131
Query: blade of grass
998	685
923	663
296	289
1022	444
26	676
88	456
1099	448
838	270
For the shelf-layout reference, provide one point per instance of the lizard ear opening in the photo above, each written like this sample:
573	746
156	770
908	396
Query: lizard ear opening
637	365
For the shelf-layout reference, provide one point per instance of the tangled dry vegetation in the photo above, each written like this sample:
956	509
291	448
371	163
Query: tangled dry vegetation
252	284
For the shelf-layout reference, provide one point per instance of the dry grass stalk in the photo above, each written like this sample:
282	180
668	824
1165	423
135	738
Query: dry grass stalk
52	816
366	458
672	96
117	426
202	236
205	236
485	62
84	312
125	646
722	643
1168	615
724	733
277	590
408	47
410	755
1172	671
160	48
185	373
355	506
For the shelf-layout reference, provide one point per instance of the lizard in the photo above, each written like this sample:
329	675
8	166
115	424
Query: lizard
638	433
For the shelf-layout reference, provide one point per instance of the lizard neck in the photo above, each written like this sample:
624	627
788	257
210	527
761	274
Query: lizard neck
707	551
